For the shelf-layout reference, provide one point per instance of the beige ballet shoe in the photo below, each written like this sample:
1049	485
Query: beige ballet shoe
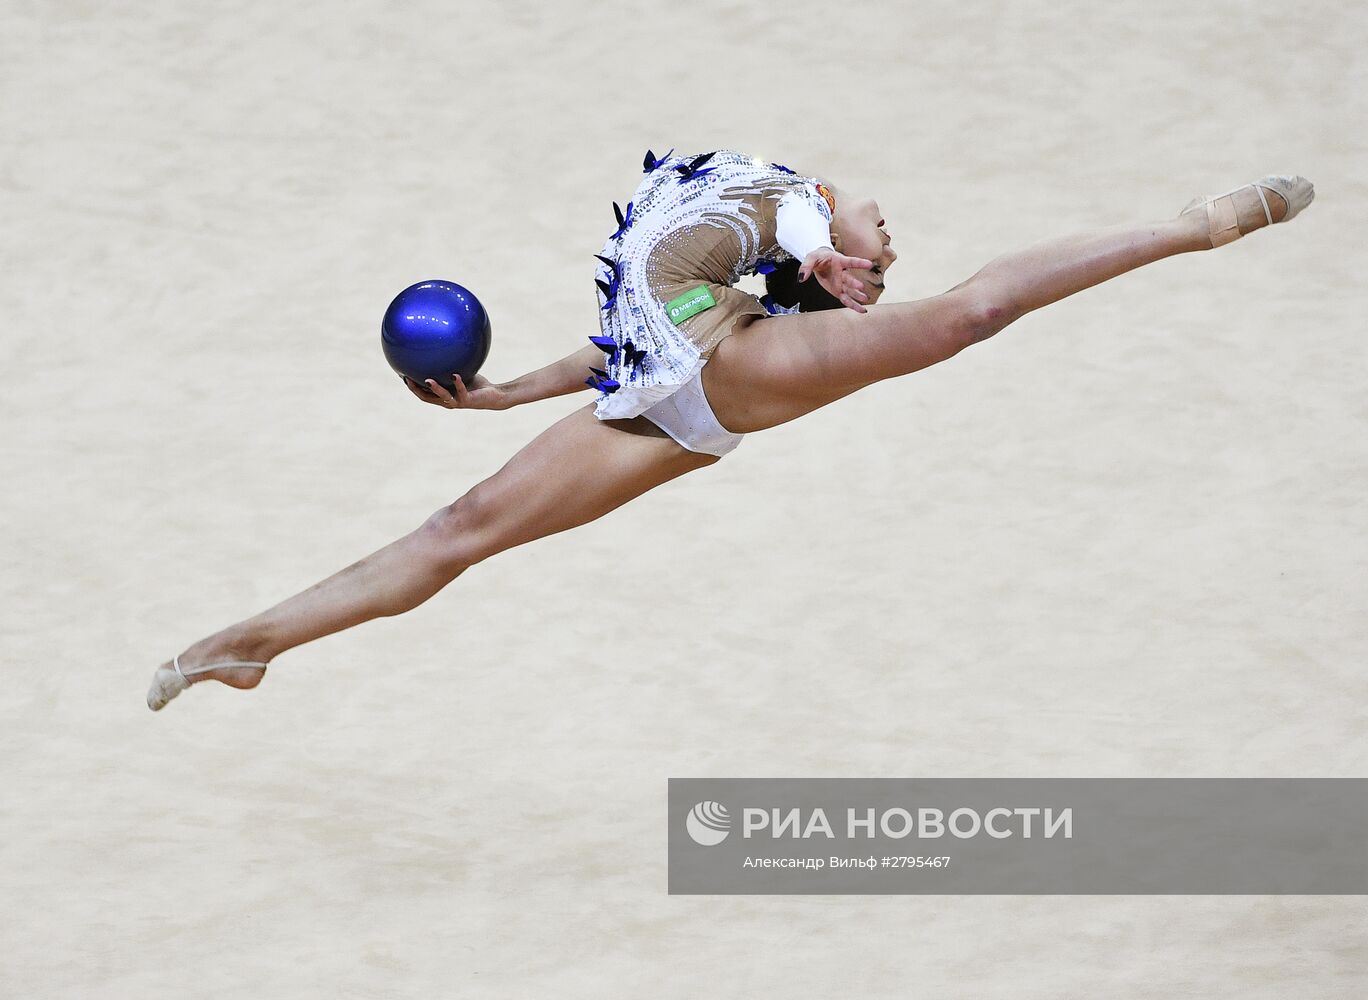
167	682
1222	220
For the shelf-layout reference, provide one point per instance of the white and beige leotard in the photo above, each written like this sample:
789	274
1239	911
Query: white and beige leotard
692	229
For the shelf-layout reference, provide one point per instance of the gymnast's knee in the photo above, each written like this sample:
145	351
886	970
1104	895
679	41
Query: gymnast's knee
464	532
980	312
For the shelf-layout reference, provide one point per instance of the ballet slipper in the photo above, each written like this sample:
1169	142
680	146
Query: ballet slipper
168	682
1222	221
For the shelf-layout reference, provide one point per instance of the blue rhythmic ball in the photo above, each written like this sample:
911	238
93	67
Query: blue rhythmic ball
434	329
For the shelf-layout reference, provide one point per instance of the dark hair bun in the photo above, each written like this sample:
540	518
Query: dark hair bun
786	290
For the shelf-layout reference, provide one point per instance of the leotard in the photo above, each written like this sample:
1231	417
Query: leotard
694	226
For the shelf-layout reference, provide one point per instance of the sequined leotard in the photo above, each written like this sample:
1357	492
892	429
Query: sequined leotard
692	229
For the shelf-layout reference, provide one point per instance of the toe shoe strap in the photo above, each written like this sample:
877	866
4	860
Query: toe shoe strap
187	674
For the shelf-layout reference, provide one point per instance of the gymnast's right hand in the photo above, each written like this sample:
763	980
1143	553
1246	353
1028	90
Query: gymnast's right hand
833	273
482	394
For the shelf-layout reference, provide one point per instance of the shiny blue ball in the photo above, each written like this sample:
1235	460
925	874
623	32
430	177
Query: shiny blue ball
434	329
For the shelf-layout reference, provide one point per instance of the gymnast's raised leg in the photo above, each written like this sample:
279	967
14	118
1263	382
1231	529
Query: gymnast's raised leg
779	369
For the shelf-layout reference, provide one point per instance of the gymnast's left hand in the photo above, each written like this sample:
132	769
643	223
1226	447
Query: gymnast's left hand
833	273
481	394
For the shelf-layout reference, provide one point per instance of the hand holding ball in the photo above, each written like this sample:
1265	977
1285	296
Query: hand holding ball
435	329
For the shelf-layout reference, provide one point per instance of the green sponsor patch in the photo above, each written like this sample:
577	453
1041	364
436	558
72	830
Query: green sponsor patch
689	304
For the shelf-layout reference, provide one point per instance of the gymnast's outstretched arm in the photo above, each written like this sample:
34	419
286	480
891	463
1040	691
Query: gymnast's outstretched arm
556	379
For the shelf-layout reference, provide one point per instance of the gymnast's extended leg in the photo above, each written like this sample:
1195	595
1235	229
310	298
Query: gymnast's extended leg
575	471
783	367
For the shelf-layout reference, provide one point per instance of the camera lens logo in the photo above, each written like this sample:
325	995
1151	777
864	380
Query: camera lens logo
708	823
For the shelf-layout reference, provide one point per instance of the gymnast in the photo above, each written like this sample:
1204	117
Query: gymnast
685	365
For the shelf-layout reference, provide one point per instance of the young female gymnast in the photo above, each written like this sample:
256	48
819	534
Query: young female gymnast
686	364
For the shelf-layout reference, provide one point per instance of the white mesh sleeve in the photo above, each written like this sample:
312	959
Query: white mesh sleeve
800	228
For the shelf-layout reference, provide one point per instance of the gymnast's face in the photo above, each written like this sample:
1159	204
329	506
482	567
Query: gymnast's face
860	232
